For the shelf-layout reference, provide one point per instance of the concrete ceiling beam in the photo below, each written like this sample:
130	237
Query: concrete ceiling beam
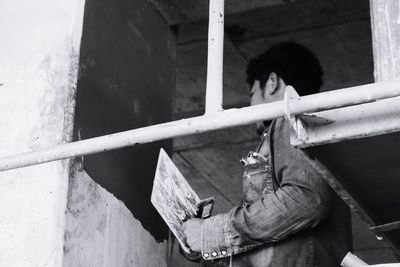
268	21
179	11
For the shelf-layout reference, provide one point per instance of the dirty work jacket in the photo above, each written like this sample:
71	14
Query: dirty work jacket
289	215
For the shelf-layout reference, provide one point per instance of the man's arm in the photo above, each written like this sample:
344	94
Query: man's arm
301	202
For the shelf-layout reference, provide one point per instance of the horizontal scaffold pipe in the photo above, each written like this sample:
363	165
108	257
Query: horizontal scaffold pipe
214	121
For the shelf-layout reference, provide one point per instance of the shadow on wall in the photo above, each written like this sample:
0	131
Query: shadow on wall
126	80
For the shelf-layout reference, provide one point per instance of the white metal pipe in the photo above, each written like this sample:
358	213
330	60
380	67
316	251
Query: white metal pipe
364	120
351	260
219	120
345	97
215	58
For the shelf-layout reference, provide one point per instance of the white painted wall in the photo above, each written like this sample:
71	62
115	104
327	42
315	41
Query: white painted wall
101	231
39	46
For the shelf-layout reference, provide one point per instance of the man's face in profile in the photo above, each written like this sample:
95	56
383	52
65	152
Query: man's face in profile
257	97
257	94
272	91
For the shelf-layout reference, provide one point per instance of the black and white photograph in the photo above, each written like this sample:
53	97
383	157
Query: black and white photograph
199	133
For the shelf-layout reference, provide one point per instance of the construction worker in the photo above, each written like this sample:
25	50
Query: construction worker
289	216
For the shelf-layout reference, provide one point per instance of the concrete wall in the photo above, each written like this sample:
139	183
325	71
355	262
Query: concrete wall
385	31
101	231
39	61
126	69
126	81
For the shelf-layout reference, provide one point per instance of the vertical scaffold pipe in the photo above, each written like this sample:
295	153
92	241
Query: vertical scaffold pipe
215	57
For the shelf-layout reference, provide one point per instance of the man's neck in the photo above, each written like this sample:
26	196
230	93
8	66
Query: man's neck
263	127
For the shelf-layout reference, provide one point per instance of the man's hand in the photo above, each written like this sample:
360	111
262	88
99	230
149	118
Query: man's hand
192	230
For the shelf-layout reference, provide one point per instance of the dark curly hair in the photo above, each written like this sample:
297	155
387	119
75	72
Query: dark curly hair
294	63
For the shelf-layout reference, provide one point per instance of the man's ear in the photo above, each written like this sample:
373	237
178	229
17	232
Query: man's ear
272	83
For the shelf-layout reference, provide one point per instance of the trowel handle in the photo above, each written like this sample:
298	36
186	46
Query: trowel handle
204	207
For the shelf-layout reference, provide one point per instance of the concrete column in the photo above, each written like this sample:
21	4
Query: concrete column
40	43
385	21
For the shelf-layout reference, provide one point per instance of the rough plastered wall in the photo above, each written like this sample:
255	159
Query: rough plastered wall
39	44
49	216
385	22
126	79
101	231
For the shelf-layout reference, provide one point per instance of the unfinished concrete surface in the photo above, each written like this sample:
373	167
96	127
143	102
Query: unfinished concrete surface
101	231
39	62
179	12
386	26
126	81
41	42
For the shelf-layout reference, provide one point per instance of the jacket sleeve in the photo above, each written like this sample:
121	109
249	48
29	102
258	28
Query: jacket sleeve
300	202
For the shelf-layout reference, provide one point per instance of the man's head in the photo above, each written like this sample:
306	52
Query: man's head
283	64
292	63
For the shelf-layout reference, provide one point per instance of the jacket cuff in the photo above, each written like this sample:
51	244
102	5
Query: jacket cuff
215	237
